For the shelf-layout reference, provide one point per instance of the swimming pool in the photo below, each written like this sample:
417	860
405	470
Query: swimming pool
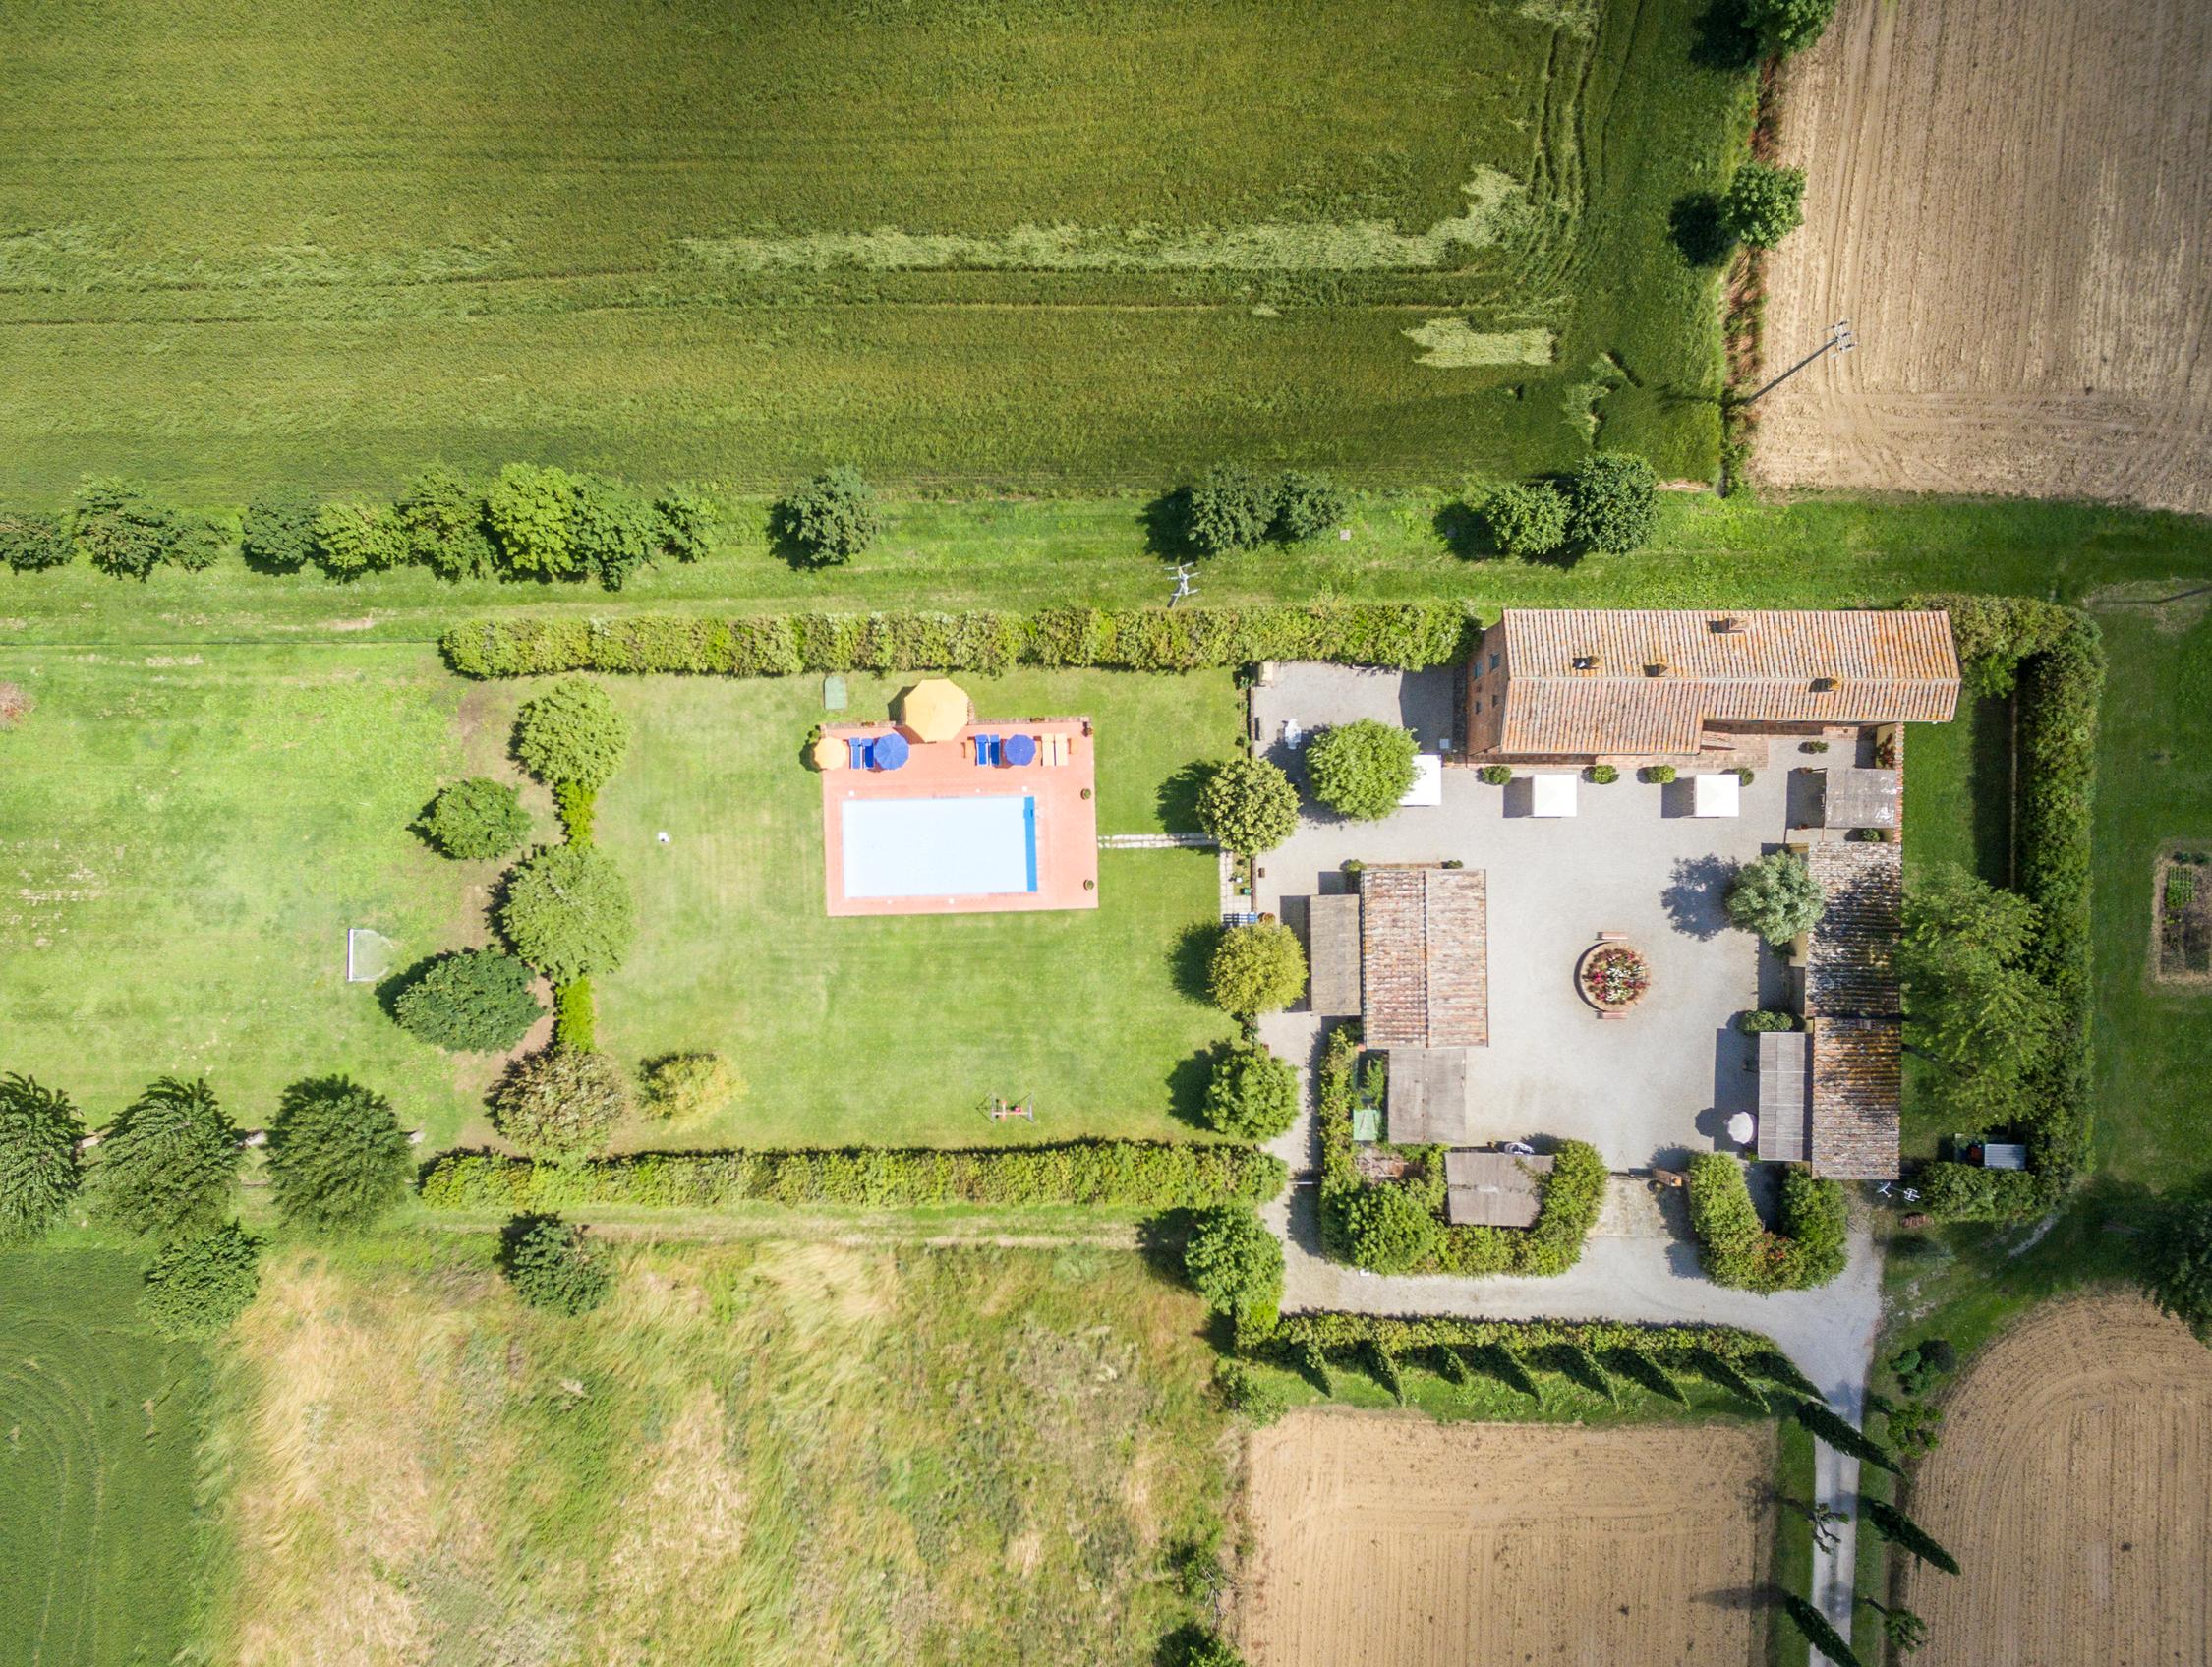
977	847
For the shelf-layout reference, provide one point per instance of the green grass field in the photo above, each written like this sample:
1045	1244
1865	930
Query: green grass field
100	1422
768	1453
1051	243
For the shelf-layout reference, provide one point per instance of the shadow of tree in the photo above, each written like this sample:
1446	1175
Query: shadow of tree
1166	524
1177	798
1466	531
1720	38
1187	1081
1190	956
1695	224
1696	900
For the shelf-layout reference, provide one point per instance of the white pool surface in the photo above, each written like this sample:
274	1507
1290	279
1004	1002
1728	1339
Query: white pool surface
974	847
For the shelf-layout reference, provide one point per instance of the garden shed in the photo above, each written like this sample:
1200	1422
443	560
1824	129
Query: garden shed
1858	798
1332	955
1493	1188
1427	1096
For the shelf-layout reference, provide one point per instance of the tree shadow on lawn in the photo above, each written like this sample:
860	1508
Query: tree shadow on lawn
1187	1083
1191	956
1696	902
1720	38
1166	525
1696	226
1177	798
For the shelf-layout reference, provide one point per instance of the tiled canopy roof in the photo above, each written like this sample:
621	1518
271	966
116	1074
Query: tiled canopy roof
1424	957
1646	680
1857	1081
1850	968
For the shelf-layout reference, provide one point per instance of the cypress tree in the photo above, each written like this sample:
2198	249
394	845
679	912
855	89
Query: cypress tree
1508	1367
1901	1530
1776	1367
1822	1421
1818	1633
1315	1366
1582	1367
1639	1367
1385	1365
1715	1368
1451	1365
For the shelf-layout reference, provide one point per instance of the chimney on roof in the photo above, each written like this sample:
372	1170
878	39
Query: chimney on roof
1586	662
1655	667
1821	685
1728	625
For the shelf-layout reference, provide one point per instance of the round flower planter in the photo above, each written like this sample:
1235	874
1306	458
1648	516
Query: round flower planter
1612	978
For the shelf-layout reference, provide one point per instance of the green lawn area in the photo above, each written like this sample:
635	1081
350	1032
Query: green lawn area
99	1552
885	1030
1018	243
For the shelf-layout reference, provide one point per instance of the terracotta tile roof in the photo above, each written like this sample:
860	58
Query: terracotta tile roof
1857	1087
1493	1188
1811	667
1424	957
1332	955
1850	968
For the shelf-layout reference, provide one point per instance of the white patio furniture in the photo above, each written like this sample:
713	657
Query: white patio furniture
1716	796
1741	1128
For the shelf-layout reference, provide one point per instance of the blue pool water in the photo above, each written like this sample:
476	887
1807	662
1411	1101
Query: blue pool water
940	847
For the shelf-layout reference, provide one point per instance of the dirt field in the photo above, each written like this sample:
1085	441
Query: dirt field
2011	202
2074	1484
1392	1543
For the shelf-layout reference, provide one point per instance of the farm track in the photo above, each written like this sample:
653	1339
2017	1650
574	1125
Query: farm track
2074	1485
2012	203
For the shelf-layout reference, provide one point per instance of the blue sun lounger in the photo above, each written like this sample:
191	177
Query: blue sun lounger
986	751
857	749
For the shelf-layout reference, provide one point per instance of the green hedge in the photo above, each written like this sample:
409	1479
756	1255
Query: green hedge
1335	1333
1128	1173
2051	660
1736	1248
1402	635
1572	1194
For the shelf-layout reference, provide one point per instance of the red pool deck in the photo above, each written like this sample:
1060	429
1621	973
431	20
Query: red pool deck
1067	818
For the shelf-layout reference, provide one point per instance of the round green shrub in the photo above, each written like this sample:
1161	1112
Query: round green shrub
472	1000
1776	897
1764	205
1786	25
562	1104
1203	1647
1361	769
1765	1019
1495	775
1249	804
569	913
1391	1230
1236	1264
1230	508
1527	520
478	819
167	1165
337	1156
201	544
1256	969
121	531
688	523
38	1171
1603	775
618	529
279	534
1657	775
2179	1271
552	1266
442	517
833	518
31	543
1307	505
201	1282
353	538
1251	1095
574	732
1612	504
689	1087
531	511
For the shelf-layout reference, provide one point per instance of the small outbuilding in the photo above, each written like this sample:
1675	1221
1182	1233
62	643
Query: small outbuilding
1493	1188
1332	955
1427	1096
1857	798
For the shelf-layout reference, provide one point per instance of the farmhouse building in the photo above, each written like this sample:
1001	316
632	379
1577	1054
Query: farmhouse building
1685	686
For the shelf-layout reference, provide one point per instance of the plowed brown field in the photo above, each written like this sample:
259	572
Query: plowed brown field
1394	1542
2011	202
2074	1485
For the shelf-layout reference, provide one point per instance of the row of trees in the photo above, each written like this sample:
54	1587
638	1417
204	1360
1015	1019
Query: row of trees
1608	504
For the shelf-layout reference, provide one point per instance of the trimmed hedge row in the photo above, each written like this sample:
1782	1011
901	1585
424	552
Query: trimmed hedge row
1405	636
1127	1173
1334	1333
1572	1194
2052	660
1734	1243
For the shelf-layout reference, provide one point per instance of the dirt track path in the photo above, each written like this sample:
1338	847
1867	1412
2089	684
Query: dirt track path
2012	200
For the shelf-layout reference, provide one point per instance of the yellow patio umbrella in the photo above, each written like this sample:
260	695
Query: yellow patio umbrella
830	753
936	708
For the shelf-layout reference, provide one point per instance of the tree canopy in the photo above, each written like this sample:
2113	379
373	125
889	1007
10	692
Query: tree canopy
477	820
574	732
1972	998
1252	1095
1259	968
569	913
1612	504
1776	897
551	1265
170	1161
831	518
1234	1263
1361	769
337	1156
562	1104
38	1171
472	1000
1249	804
202	1281
1764	205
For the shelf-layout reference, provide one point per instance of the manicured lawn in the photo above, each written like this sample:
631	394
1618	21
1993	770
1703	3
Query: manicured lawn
1005	243
768	1453
188	837
99	1554
893	1029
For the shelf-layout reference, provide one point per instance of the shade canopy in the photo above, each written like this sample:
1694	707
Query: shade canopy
1428	780
1020	749
889	751
830	753
1716	796
1551	795
936	708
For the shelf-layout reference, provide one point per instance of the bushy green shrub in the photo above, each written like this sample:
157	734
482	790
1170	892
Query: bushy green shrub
689	1087
1243	1390
1249	805
1788	26
688	523
1251	1094
168	1164
1236	1264
1120	1174
578	807
1776	896
1974	1001
575	1015
441	517
1361	769
120	530
1202	1646
279	534
1603	775
572	732
1762	1019
472	1000
478	819
531	511
1259	968
38	1171
1230	508
551	1265
618	529
562	1104
337	1156
1764	205
1657	775
200	1281
1612	504
201	542
1527	520
1405	636
353	538
1334	1332
831	518
1307	505
1391	1230
569	913
1969	1193
30	544
1734	1243
2177	1272
1495	775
